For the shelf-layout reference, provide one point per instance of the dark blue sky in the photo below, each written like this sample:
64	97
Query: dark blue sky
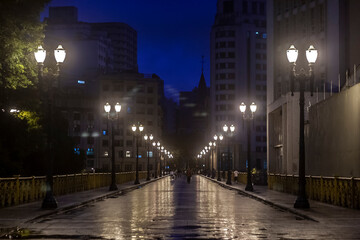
172	34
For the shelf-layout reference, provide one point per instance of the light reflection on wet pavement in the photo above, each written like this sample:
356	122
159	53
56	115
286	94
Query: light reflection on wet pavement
173	209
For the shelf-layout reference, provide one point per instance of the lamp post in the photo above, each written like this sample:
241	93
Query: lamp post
148	139
218	138
49	201
301	78
248	118
229	134
137	130
155	167
107	108
161	156
159	153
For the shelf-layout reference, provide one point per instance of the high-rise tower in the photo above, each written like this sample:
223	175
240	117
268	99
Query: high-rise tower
238	74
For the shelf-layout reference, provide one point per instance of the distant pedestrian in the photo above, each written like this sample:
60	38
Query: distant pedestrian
236	174
188	175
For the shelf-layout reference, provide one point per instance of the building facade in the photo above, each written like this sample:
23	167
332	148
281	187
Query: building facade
140	97
238	74
329	25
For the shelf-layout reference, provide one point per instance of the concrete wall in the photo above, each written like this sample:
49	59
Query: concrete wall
334	135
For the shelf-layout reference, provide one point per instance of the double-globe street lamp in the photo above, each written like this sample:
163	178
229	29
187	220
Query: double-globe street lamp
154	150
229	132
49	201
212	145
137	130
218	138
161	156
158	144
301	78
248	117
148	140
112	118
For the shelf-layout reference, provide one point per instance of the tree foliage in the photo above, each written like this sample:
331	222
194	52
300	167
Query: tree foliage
23	135
20	33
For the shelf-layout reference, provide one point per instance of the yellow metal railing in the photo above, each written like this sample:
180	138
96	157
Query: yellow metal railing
18	190
340	191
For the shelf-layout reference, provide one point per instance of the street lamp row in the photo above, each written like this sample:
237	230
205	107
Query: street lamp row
228	132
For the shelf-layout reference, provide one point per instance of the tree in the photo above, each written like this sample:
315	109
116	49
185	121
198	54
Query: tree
23	135
20	33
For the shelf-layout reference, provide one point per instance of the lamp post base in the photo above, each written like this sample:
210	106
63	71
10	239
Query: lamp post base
136	182
301	202
249	188
49	202
113	187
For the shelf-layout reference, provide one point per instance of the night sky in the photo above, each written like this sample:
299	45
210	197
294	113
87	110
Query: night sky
172	35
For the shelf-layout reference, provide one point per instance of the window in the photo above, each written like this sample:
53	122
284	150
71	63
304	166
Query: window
222	65
91	116
231	86
128	167
105	87
77	116
231	33
222	86
121	154
118	88
245	7
128	154
116	143
231	65
228	7
231	75
254	8
105	143
150	89
129	143
231	44
231	54
90	140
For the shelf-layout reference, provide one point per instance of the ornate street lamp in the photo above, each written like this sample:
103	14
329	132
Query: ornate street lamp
229	132
248	117
154	150
107	108
49	201
301	78
159	155
148	139
137	130
218	138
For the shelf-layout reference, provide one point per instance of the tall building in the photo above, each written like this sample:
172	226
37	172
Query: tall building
92	48
92	51
238	74
329	25
193	118
140	97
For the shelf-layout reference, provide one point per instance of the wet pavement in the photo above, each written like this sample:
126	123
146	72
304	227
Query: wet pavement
173	209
